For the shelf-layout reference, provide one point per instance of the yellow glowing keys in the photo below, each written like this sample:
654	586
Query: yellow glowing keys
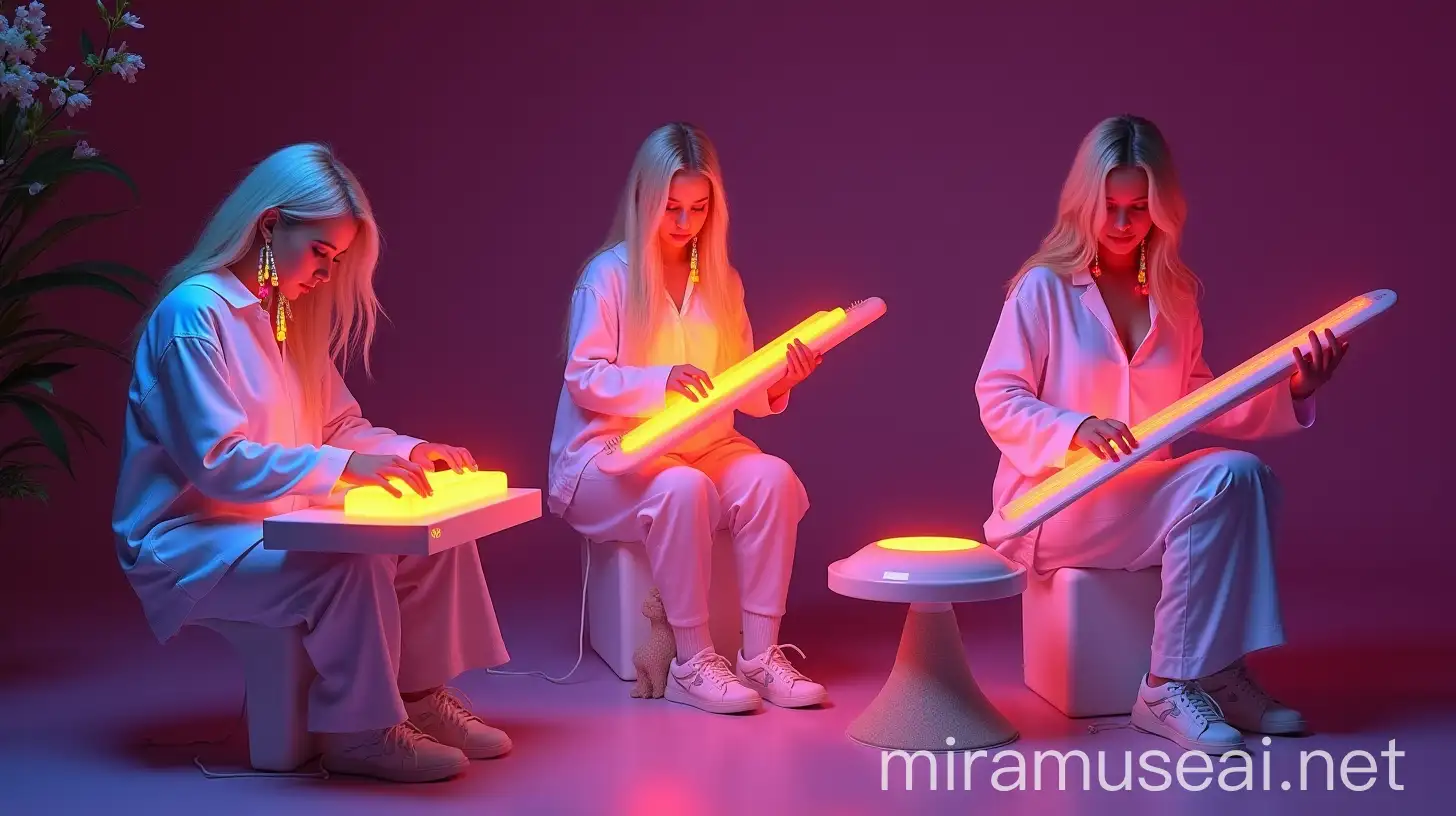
452	491
682	417
1086	472
927	544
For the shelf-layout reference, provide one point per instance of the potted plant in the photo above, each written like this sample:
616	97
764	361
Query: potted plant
37	159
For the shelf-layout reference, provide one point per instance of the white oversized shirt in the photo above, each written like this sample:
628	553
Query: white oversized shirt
602	398
1055	360
217	439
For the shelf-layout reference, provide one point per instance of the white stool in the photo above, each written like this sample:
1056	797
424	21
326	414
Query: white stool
617	585
1087	638
276	675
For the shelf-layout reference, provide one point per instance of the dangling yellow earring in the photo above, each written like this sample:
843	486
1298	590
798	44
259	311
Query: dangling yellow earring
268	276
693	263
265	259
1096	265
1142	286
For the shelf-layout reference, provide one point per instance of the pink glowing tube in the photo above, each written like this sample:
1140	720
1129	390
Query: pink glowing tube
682	417
1086	472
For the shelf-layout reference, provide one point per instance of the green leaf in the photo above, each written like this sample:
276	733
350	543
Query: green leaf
13	317
24	443
78	424
72	340
21	258
48	430
34	374
87	48
64	277
53	135
51	166
16	483
36	353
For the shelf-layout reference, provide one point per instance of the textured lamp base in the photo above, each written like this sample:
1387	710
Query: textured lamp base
931	694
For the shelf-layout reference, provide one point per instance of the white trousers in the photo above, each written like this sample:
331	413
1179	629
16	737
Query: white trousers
1208	519
674	505
376	624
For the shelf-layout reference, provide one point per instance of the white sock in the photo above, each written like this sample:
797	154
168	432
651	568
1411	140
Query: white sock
691	640
759	633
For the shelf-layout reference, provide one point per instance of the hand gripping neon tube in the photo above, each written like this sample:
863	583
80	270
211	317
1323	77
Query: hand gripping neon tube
682	417
1087	472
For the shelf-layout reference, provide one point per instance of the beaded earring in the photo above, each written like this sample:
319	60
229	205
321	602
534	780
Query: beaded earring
1096	265
693	263
1142	284
268	275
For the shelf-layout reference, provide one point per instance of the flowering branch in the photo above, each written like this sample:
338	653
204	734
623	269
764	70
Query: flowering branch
35	162
21	43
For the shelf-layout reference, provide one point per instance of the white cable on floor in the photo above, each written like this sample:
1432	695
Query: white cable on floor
580	635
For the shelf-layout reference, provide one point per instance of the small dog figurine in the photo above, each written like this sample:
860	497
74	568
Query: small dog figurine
653	658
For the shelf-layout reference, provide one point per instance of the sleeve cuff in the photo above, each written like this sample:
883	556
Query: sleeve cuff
657	402
399	445
778	406
1303	410
1062	440
324	477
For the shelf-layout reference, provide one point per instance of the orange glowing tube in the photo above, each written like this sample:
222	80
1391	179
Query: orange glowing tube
1086	472
682	417
452	492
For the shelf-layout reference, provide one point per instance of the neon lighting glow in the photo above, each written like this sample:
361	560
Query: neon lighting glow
682	417
731	380
452	491
928	544
1086	472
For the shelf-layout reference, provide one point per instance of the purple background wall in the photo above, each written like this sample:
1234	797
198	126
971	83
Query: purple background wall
911	152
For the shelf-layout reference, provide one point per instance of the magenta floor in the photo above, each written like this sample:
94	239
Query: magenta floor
84	690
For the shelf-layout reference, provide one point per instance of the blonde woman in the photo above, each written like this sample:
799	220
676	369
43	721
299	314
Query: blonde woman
1100	330
236	412
655	315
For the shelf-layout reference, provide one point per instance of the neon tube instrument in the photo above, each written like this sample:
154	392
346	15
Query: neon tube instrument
463	508
682	417
1087	472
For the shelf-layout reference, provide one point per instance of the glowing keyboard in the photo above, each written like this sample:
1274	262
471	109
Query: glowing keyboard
452	491
463	508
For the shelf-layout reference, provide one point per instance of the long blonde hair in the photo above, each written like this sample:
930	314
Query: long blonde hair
673	148
1122	141
304	182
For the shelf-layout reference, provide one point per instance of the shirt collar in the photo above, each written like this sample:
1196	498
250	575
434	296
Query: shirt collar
227	285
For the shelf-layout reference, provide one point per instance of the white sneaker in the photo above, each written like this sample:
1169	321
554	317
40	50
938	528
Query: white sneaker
1247	706
1182	712
444	717
706	681
397	754
777	681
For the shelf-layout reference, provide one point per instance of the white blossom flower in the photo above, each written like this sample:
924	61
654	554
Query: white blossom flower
36	187
77	101
22	83
132	20
32	18
14	44
84	151
124	64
